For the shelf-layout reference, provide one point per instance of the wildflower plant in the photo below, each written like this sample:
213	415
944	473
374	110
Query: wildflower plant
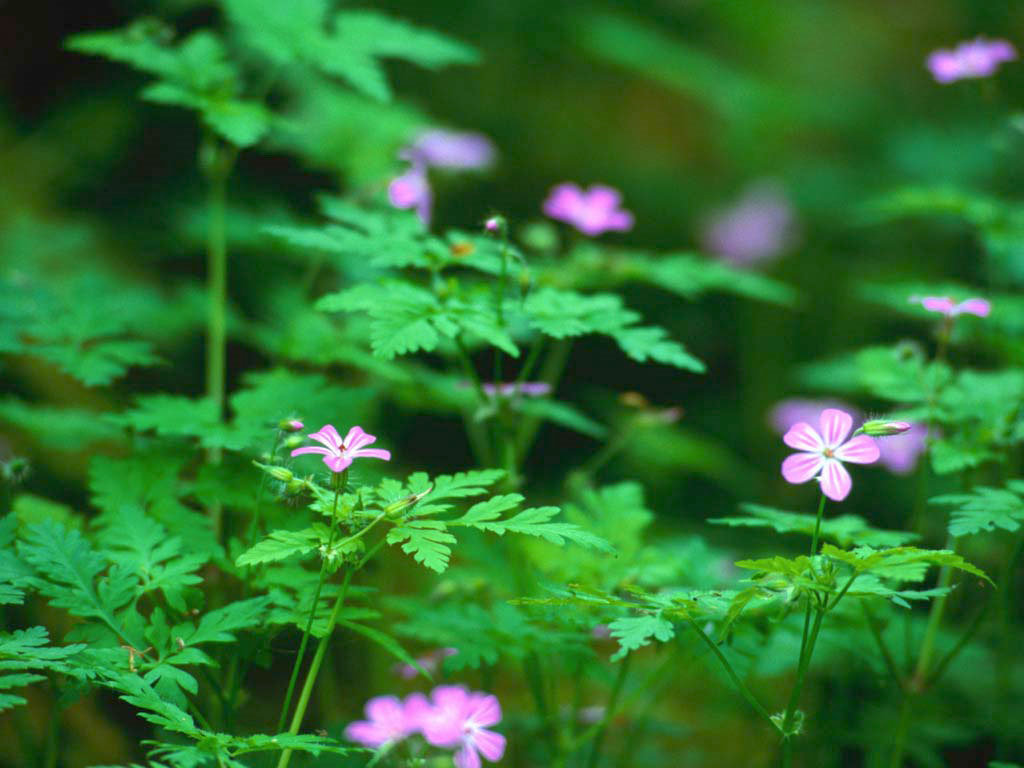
513	541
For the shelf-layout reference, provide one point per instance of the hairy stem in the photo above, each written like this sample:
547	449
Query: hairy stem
312	616
314	669
736	680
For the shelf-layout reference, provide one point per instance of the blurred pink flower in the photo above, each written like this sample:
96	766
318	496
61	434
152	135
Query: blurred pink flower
758	227
592	211
509	388
339	454
823	453
899	453
786	413
970	59
436	149
946	306
449	149
389	720
459	719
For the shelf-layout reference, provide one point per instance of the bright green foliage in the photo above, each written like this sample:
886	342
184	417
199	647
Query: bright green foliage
347	44
563	314
24	653
530	522
635	632
985	509
60	323
61	429
195	74
846	530
896	561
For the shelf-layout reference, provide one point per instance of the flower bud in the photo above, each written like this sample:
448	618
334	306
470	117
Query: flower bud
883	428
290	425
293	441
280	473
494	224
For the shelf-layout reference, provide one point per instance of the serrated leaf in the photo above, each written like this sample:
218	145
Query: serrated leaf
426	540
983	509
633	632
279	545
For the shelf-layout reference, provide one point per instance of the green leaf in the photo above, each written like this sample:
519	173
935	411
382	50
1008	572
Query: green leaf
72	570
60	429
633	632
23	654
535	521
562	414
565	314
885	562
847	530
426	540
280	545
985	509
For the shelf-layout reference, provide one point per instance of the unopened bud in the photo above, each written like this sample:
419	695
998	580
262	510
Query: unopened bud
293	441
280	473
296	486
290	425
494	224
396	508
883	428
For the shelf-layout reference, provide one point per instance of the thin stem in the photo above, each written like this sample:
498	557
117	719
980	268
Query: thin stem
938	607
609	712
794	698
312	616
940	667
551	372
314	669
876	633
740	686
817	526
900	736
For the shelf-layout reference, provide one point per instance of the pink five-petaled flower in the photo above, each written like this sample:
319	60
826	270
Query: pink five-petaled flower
459	719
389	719
971	59
339	454
592	211
946	306
823	453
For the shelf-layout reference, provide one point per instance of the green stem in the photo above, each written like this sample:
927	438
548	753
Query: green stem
817	526
876	633
794	698
609	712
938	607
944	662
900	736
551	372
740	686
312	616
314	669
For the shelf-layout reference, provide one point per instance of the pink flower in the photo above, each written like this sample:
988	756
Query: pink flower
449	149
459	719
339	454
592	212
946	306
412	190
971	59
823	453
756	228
390	720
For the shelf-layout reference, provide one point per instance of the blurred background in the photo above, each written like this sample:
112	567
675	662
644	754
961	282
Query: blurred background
811	109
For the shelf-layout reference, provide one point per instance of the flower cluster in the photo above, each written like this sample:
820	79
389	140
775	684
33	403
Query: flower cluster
339	454
452	718
971	59
436	149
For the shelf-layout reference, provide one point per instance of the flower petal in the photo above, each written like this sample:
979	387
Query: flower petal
979	307
801	467
366	733
860	450
835	426
490	743
941	304
313	449
803	437
357	438
370	453
338	463
467	757
835	480
327	435
386	711
484	709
